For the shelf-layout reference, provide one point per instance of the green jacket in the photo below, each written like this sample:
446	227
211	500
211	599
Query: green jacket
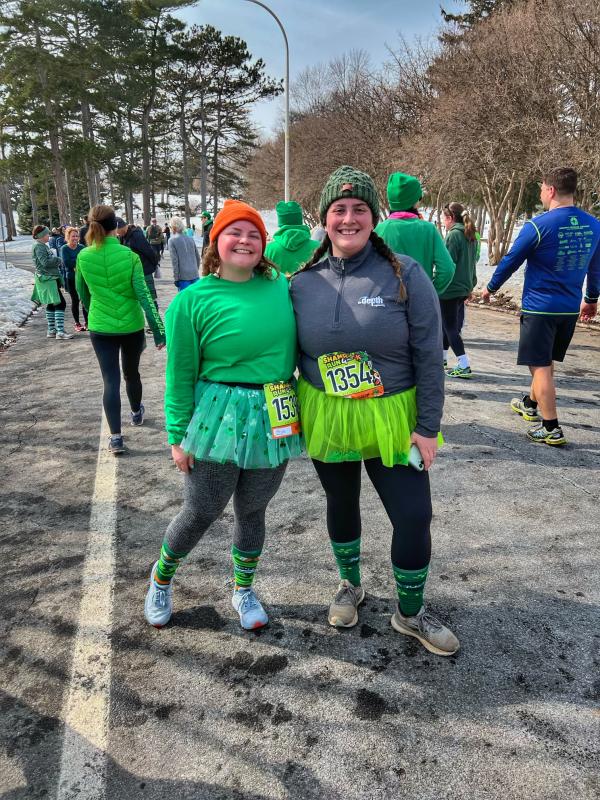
46	263
291	247
422	241
110	282
464	255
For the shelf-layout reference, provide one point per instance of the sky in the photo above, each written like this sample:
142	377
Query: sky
318	31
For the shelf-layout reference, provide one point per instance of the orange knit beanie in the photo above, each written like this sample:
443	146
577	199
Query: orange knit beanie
232	211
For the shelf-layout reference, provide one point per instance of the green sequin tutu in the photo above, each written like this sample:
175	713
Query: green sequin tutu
337	429
231	425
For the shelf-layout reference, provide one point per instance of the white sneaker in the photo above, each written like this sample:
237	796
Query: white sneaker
63	335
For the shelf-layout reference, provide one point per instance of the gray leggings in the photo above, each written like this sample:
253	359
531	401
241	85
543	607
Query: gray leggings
207	490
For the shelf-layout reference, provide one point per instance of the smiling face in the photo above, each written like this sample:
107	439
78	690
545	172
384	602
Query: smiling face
349	223
73	238
240	249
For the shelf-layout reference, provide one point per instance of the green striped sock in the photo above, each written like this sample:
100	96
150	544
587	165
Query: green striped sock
167	564
51	321
410	585
245	564
59	319
347	556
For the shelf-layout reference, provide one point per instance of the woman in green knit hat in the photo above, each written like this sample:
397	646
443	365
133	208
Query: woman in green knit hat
291	246
48	282
405	232
371	389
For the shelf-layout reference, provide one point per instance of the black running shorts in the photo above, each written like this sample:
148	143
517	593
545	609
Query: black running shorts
545	338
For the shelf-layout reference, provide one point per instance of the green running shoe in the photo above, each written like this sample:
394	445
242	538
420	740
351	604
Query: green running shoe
459	372
540	435
529	414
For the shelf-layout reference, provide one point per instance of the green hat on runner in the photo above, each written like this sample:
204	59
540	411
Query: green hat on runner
349	182
403	191
288	213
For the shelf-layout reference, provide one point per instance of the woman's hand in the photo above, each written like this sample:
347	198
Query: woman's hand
183	461
427	447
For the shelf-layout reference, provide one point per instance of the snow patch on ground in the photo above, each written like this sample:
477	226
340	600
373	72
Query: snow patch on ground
16	286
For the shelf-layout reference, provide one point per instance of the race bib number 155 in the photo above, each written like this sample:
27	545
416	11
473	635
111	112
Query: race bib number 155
350	375
282	405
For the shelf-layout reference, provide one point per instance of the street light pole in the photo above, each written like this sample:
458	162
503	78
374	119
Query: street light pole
286	182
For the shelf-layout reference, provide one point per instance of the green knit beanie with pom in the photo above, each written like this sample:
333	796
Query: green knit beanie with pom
349	182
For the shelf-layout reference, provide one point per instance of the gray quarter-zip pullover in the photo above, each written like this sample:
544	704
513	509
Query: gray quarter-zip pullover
352	304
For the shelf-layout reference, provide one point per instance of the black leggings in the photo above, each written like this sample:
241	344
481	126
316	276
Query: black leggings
406	498
453	317
107	348
75	300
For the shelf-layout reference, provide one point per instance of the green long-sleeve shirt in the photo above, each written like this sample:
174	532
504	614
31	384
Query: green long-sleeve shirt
464	255
422	241
224	331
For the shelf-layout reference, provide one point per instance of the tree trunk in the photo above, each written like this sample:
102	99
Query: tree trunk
128	197
6	206
145	144
50	223
88	135
185	169
69	205
57	166
34	203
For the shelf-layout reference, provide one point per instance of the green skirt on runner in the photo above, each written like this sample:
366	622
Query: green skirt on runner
45	291
338	429
231	425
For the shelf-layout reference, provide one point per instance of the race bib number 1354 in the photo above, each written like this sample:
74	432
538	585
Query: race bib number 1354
350	375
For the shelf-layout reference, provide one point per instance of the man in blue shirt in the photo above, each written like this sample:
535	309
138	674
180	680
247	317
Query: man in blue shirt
562	247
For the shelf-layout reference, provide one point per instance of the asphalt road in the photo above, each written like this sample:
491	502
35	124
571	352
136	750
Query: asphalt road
300	710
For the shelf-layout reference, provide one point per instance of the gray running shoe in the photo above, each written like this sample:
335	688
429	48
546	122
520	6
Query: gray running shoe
434	636
51	335
529	414
159	602
343	612
540	435
63	335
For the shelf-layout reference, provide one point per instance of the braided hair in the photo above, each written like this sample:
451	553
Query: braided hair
380	248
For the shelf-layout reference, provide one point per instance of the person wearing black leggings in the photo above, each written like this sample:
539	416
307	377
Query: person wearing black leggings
110	282
461	242
68	254
371	390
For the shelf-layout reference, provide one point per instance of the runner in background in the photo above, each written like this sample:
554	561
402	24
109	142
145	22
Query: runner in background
406	233
207	223
231	355
133	237
371	386
68	254
48	282
561	248
462	246
291	245
184	256
155	238
110	282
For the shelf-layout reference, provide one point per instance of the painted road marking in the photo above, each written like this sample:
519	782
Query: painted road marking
85	743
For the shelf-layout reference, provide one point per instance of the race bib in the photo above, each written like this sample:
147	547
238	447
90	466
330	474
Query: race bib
282	405
350	375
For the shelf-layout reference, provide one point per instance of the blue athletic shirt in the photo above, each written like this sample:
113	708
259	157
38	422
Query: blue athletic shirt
561	246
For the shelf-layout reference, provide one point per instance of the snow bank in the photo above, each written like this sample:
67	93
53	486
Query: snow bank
15	305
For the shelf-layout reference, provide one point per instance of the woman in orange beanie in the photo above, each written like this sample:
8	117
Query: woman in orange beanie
230	404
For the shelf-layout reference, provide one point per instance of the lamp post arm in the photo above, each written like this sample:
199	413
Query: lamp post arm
286	183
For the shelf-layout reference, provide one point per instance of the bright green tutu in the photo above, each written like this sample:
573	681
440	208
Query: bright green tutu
337	429
231	425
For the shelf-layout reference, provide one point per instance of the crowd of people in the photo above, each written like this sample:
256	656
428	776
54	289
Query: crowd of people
335	345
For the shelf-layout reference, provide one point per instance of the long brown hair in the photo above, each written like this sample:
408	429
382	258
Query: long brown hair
211	263
380	248
460	214
101	220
